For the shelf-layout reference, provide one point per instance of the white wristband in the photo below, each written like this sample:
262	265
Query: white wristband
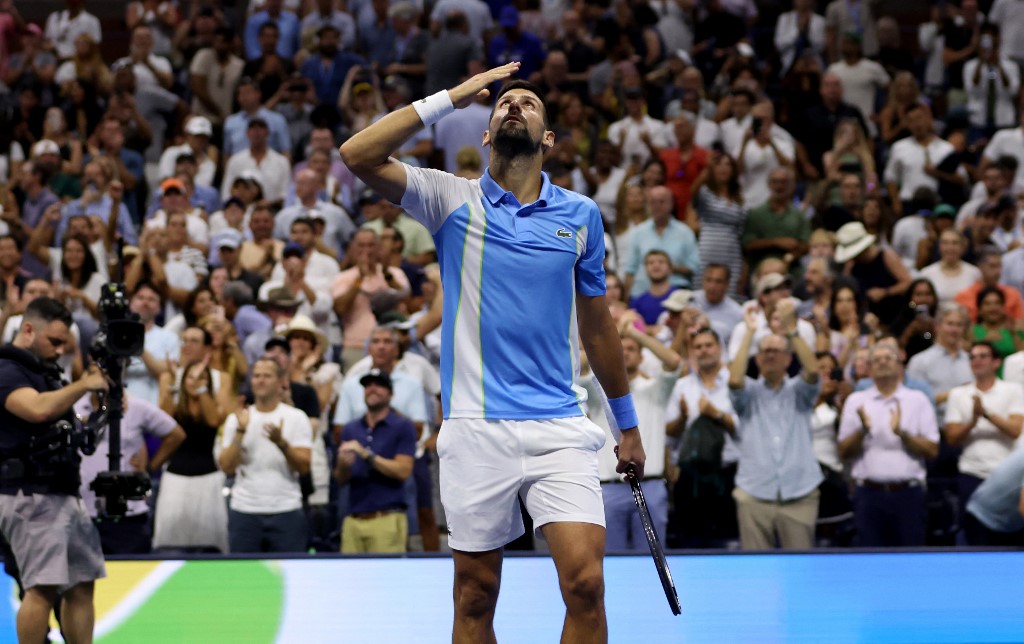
434	107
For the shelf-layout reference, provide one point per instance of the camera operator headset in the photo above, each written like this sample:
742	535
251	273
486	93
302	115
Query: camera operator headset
55	544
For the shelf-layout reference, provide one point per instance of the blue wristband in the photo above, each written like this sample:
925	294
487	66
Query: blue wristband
623	411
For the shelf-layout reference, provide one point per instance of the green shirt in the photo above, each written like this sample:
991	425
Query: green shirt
763	223
415	235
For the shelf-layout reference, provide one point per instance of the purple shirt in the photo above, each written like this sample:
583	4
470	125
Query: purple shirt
884	458
31	214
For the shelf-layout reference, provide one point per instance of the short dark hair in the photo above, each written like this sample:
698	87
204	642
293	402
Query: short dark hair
47	309
706	330
150	286
719	266
304	221
985	292
17	242
991	347
207	338
528	86
271	25
278	341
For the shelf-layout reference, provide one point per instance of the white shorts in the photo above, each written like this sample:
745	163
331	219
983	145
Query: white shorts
487	464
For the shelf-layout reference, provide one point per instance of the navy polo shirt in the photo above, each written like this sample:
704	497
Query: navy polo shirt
369	490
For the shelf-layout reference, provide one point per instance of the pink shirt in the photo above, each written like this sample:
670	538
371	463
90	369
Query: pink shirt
359	322
884	458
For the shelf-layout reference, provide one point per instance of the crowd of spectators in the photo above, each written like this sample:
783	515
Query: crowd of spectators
815	254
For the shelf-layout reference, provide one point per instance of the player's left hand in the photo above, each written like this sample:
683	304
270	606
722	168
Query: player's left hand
631	450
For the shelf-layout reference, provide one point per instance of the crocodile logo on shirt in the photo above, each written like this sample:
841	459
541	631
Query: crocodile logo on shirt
562	232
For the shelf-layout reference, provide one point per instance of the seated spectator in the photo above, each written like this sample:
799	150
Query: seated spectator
270	70
225	351
376	469
238	302
103	198
902	95
928	251
326	12
850	154
847	328
280	305
174	199
130	534
84	64
777	481
268	445
173	278
199	303
150	69
190	511
889	431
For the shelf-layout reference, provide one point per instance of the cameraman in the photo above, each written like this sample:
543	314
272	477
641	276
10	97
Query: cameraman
55	545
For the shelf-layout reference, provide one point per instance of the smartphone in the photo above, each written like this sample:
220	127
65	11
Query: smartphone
756	124
836	374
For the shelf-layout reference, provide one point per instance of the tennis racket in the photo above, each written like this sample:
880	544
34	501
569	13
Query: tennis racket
657	552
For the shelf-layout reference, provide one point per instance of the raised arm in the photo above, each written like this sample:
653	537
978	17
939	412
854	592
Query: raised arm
368	152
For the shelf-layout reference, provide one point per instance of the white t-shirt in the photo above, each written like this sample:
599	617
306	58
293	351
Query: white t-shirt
906	164
1008	142
144	76
264	484
758	163
625	133
198	229
985	447
861	82
946	286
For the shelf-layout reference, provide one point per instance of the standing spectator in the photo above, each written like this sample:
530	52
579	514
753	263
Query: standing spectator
861	77
160	346
367	286
951	274
261	252
328	67
321	267
684	164
384	442
270	70
460	130
777	481
733	128
64	27
881	277
651	392
198	131
705	511
771	289
889	431
127	165
962	34
722	311
266	501
452	55
991	81
214	73
985	418
850	17
944	365
1010	18
250	105
990	264
287	24
150	69
419	245
514	43
661	232
129	534
1006	144
913	161
32	63
637	132
765	147
776	228
798	31
817	125
299	275
272	167
338	226
477	14
190	509
721	217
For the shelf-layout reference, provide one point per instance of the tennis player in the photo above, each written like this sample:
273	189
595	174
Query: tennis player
521	266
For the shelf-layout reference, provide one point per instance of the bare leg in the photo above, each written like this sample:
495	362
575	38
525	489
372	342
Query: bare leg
77	615
428	529
578	551
477	580
34	614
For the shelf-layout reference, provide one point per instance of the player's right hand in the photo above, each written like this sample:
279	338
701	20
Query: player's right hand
466	93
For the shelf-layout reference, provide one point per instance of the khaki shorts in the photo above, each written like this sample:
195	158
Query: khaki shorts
487	465
53	539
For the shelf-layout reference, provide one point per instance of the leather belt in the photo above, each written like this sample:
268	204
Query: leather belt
643	480
373	515
890	486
